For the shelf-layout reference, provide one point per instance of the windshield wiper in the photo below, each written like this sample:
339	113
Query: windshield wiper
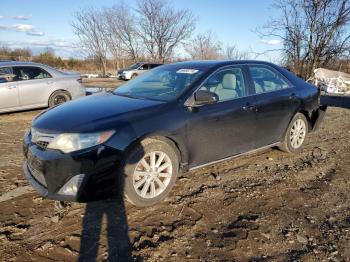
124	94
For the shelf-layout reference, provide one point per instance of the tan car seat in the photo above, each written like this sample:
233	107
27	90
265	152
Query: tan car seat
227	89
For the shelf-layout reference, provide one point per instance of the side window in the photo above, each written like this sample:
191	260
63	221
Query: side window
143	67
266	80
6	74
227	84
29	73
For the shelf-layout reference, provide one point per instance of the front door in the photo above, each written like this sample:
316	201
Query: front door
33	84
217	131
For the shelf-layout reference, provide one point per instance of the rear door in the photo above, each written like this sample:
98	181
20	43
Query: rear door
34	85
276	102
227	128
8	89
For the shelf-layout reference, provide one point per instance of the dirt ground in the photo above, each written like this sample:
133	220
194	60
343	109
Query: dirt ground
270	206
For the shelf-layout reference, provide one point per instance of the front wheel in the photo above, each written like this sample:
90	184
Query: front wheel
295	135
150	172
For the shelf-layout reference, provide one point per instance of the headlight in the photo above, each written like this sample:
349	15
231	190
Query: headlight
70	142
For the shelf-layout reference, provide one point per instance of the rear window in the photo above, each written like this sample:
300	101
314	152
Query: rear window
5	70
267	80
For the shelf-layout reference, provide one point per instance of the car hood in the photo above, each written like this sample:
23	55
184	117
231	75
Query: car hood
93	113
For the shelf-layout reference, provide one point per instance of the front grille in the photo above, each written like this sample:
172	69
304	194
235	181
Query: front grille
42	144
37	175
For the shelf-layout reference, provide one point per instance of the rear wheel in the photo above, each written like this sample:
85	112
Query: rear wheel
59	97
296	134
150	172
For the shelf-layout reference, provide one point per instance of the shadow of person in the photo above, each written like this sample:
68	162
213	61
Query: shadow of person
119	248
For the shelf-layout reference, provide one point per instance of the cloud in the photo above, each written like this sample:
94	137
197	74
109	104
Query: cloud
35	33
1	17
22	27
29	29
271	41
54	43
61	47
22	17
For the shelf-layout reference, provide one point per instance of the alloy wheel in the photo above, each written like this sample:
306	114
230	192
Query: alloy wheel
59	99
297	133
152	174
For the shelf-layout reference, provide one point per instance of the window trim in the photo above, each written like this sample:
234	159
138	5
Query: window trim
13	67
189	101
290	85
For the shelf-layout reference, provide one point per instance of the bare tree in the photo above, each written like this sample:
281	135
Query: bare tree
88	26
313	32
233	53
122	34
162	28
204	46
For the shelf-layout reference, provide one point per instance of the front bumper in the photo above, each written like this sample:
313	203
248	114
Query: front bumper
123	76
48	171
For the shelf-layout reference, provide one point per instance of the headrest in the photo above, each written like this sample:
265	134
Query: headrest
229	81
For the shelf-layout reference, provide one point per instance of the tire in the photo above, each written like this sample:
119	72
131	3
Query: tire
133	76
142	188
59	97
293	145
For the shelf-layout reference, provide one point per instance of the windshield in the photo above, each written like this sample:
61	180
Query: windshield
134	66
163	83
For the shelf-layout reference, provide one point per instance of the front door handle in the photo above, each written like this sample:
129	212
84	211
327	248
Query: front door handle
250	108
292	97
11	87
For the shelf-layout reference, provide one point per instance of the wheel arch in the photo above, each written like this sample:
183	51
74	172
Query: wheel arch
176	143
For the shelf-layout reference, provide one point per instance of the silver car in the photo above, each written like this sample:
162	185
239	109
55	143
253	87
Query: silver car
135	70
26	85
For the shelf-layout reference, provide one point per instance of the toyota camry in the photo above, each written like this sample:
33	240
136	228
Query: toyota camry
175	118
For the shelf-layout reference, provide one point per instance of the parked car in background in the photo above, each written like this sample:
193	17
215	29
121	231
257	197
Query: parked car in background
26	85
89	75
135	70
176	118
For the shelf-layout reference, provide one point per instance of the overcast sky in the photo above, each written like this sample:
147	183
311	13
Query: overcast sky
41	23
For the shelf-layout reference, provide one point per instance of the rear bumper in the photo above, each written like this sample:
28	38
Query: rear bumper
49	171
317	117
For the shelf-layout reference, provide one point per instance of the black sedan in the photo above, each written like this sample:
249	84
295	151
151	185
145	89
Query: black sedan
175	118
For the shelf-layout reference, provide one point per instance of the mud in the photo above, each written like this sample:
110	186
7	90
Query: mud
270	206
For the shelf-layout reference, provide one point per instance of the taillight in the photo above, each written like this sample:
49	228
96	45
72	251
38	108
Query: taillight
80	80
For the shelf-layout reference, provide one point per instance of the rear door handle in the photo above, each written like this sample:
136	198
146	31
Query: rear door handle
11	87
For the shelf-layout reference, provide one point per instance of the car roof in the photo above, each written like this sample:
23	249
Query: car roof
18	63
207	64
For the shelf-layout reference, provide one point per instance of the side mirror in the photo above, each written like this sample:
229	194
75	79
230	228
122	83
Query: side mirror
202	97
